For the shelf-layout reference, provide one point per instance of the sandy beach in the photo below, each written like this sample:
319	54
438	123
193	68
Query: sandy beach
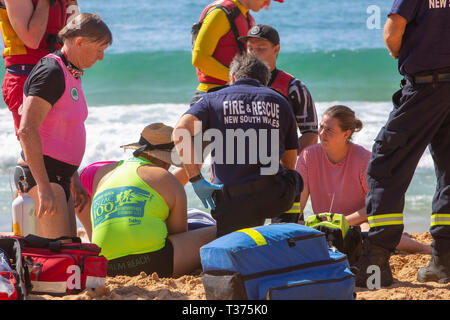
190	287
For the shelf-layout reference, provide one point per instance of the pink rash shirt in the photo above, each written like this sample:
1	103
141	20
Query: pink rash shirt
346	181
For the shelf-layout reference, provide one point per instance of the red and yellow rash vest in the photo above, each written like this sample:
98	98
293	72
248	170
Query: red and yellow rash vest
216	44
16	52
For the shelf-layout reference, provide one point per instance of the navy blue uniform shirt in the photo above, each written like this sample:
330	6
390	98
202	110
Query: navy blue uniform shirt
426	42
246	108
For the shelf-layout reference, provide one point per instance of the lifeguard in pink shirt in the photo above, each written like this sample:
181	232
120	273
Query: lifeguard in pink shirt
334	172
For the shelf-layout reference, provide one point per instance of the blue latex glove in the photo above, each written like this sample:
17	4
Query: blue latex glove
204	191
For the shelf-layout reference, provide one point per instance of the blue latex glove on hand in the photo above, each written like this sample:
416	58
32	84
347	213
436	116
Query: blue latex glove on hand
204	191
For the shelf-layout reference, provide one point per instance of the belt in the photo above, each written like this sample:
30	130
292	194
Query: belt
20	69
250	187
438	77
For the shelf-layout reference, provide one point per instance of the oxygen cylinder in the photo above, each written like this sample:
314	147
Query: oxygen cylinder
23	215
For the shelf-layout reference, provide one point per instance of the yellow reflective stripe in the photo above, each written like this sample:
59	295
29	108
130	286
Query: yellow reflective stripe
384	216
255	235
295	208
386	220
440	219
390	223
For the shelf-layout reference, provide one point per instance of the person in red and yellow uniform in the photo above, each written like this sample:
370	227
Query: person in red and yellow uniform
216	40
29	29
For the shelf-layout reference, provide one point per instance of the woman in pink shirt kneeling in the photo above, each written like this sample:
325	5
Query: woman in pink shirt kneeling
334	173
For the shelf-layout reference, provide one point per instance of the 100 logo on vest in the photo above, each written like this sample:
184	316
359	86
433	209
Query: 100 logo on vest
119	203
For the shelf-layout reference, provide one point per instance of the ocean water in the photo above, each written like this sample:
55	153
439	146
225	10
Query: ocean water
334	47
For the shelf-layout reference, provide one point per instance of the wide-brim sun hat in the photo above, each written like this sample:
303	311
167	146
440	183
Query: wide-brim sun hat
156	141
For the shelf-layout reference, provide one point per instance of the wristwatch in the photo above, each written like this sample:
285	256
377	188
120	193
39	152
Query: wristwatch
196	178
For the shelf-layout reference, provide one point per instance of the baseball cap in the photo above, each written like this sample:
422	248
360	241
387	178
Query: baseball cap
262	31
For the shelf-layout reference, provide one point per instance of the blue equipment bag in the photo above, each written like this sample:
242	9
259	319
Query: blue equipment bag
280	261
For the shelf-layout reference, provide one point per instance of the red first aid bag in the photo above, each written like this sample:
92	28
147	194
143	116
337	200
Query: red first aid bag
58	267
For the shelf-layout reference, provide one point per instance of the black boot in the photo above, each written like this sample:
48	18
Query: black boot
373	256
438	270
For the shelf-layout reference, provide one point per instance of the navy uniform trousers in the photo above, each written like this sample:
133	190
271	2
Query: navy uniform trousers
420	118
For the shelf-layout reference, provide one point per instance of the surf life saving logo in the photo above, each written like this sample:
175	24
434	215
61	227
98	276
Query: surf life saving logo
123	202
74	94
255	30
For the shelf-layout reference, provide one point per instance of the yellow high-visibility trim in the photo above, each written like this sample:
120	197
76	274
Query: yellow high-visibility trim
295	208
441	223
440	219
390	223
383	216
440	215
386	220
255	235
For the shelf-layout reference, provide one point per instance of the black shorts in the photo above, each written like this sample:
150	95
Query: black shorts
160	261
58	172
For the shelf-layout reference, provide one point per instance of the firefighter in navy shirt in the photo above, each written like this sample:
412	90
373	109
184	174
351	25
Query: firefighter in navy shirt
253	149
415	34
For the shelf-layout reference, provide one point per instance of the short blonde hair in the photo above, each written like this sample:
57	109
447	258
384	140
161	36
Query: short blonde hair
87	25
